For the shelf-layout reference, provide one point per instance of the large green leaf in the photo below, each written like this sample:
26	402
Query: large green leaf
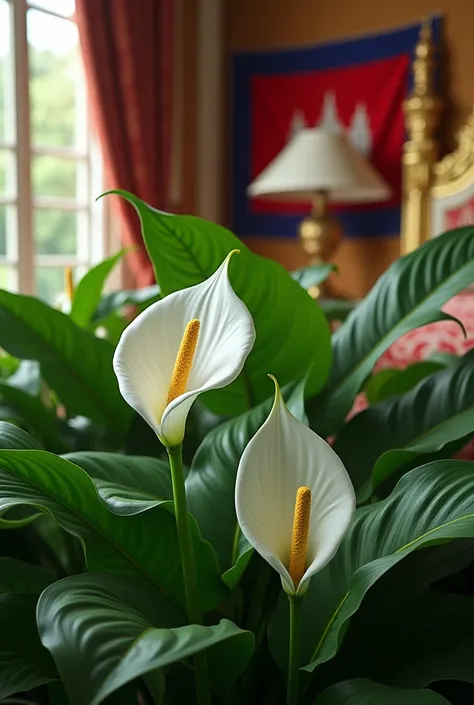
35	416
24	662
230	651
408	295
119	609
431	504
408	639
74	363
292	331
210	484
125	643
144	546
89	290
386	436
364	692
14	438
19	578
126	484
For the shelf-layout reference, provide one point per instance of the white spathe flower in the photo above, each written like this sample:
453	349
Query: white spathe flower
146	358
285	457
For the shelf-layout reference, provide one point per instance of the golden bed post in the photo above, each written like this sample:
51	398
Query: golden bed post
422	111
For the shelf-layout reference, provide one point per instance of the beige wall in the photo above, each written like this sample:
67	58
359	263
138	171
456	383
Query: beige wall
254	24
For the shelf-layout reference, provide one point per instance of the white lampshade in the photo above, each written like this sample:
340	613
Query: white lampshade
318	160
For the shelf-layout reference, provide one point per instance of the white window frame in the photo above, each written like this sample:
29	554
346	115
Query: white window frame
95	239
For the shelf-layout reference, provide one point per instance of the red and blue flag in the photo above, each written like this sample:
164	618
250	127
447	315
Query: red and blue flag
355	86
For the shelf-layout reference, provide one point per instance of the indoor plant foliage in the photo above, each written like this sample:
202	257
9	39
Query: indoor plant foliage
175	526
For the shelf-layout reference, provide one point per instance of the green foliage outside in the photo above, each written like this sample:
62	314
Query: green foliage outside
53	124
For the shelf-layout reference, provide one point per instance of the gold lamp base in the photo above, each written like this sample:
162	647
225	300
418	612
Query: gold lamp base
320	235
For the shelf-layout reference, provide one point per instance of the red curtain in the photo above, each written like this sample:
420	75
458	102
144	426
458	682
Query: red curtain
127	50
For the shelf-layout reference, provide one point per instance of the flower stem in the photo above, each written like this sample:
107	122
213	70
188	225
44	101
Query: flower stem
294	650
189	567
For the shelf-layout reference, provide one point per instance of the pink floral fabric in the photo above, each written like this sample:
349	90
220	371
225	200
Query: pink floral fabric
422	343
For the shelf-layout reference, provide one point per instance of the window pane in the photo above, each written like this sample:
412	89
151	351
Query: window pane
57	93
55	232
53	176
8	235
7	131
7	173
3	231
62	7
49	284
8	278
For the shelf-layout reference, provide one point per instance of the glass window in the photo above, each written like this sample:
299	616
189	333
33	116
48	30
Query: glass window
48	211
7	91
55	82
66	8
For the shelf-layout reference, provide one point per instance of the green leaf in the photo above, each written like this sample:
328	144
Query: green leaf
74	363
124	644
19	578
409	294
409	639
291	329
364	692
14	438
24	663
89	290
144	546
158	648
392	382
382	439
116	300
40	420
119	609
210	484
126	484
313	275
431	504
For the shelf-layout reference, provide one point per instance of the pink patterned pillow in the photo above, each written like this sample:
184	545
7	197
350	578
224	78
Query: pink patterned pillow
422	343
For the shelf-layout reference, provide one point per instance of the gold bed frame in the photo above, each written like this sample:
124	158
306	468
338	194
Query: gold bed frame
424	178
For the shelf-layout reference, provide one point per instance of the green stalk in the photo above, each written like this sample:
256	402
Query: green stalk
294	658
175	455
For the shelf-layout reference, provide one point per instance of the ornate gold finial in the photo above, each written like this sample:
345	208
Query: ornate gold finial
422	110
424	64
458	165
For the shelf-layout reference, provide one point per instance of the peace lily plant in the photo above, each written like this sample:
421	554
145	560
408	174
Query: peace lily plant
278	464
294	502
179	471
204	335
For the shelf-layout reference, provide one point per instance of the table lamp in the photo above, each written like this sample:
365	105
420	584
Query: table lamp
319	166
